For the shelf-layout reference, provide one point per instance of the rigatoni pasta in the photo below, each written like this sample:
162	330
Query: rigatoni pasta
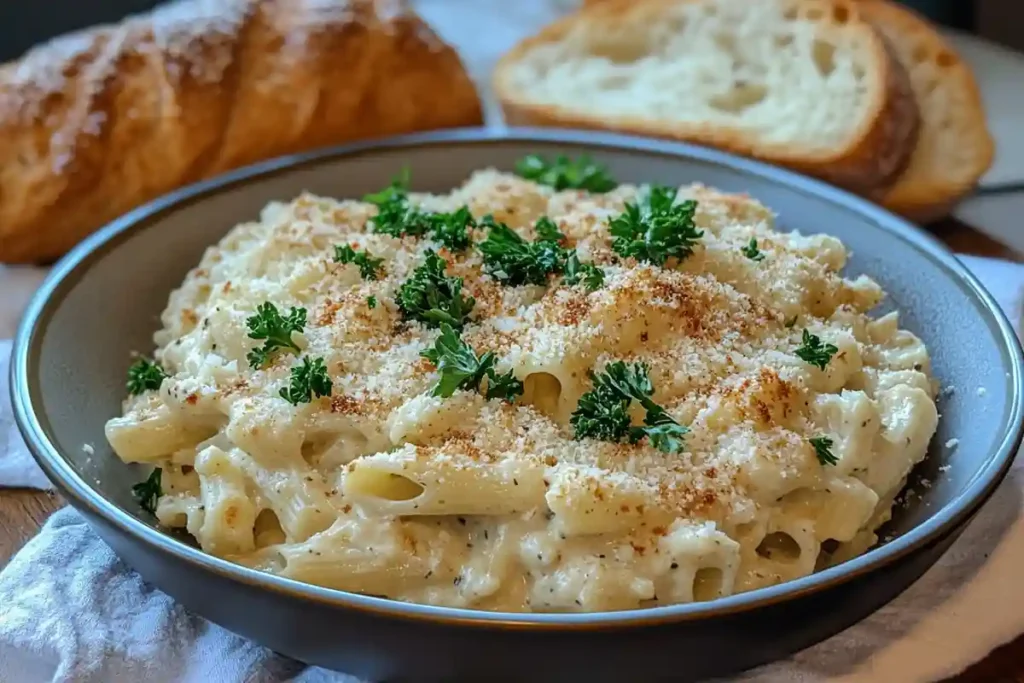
515	397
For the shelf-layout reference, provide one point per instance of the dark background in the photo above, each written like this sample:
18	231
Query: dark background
26	22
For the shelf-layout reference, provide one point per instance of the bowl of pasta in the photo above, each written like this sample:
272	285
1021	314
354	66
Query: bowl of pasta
522	396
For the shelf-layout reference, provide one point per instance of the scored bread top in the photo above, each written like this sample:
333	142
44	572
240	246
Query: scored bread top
954	147
805	83
99	122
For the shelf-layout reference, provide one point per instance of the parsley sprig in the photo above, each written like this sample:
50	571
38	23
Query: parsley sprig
812	351
144	375
148	491
307	379
603	412
590	275
452	229
398	218
514	261
461	368
563	173
432	298
751	251
275	330
395	215
655	228
823	449
369	267
547	230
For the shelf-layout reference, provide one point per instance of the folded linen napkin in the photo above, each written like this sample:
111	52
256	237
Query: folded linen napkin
73	612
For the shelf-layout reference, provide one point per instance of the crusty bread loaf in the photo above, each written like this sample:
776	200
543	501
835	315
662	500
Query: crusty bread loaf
805	83
954	148
96	123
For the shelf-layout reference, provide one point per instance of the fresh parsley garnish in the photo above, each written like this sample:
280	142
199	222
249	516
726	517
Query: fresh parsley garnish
563	173
461	368
457	363
504	387
515	261
399	187
398	218
812	351
148	491
307	379
452	229
590	275
665	433
823	449
275	330
603	412
369	267
395	215
655	228
432	298
547	230
371	301
752	252
144	375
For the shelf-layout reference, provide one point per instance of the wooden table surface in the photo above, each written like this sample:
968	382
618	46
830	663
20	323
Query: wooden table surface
22	512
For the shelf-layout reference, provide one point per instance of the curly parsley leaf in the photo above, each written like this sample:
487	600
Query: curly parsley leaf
812	351
547	230
461	368
823	449
664	433
590	275
655	228
148	491
398	188
144	375
563	173
395	215
457	363
505	387
432	298
398	218
631	380
369	267
514	261
452	229
275	330
371	301
752	252
603	412
306	380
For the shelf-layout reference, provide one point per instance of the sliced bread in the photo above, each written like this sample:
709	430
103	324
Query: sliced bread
804	83
954	148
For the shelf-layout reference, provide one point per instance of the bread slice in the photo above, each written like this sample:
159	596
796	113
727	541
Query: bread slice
954	148
804	83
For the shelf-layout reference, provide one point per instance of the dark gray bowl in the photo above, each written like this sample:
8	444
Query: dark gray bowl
102	302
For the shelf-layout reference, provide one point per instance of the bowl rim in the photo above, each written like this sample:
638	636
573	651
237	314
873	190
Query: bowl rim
65	275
